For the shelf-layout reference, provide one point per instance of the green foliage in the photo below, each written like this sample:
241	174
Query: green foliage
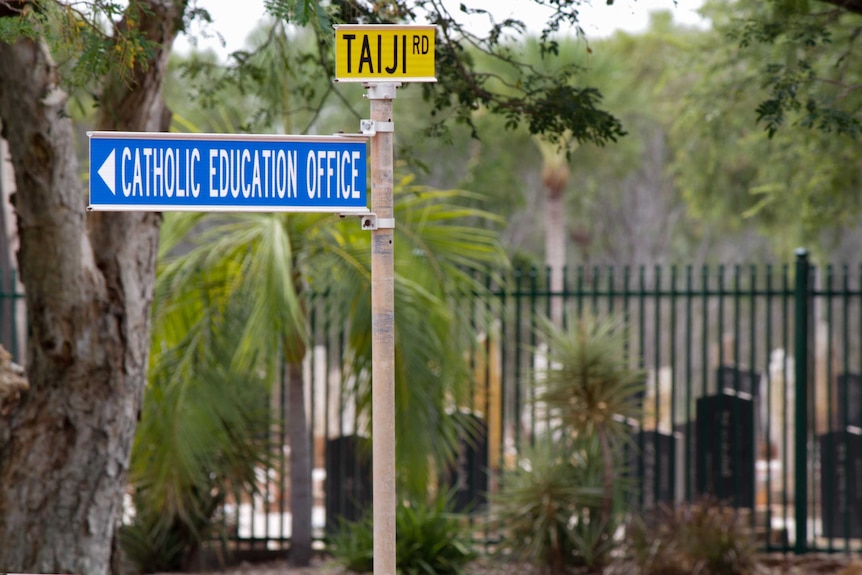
26	25
696	538
429	540
552	103
641	79
152	547
352	544
272	261
591	385
547	507
558	506
83	37
192	447
489	71
439	255
302	12
591	389
276	85
797	75
810	72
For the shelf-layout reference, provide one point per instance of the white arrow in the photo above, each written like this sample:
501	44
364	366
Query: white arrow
108	173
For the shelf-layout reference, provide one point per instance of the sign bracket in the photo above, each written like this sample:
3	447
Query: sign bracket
370	127
380	90
371	222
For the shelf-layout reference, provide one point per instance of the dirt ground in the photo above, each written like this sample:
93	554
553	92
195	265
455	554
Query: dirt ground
838	564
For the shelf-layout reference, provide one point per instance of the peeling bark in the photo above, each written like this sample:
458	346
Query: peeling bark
12	384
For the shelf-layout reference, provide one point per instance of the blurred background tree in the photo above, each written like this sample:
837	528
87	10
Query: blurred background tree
749	127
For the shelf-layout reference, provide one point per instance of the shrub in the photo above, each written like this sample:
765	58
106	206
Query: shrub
352	544
429	540
592	390
193	448
547	509
698	538
561	508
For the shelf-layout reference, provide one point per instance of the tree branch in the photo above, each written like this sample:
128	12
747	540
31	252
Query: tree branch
854	6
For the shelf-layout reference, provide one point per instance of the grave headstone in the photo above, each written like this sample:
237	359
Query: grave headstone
848	400
737	380
650	465
469	472
840	489
348	479
726	448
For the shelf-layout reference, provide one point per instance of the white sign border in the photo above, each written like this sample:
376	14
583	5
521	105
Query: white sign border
212	137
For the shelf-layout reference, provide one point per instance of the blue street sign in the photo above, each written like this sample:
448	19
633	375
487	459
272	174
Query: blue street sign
218	172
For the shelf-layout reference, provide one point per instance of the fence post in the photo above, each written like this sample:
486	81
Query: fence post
800	352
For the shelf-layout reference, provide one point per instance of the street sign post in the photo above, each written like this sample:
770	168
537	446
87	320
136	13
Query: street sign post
384	500
142	171
384	53
382	57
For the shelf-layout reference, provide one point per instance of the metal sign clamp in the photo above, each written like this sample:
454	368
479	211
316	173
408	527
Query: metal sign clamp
371	222
370	127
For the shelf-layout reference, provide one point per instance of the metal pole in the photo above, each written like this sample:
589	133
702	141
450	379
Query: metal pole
800	321
383	330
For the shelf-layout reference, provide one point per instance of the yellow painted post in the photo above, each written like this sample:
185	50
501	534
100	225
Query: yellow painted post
383	328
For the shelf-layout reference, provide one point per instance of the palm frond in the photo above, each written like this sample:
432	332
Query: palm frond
267	261
451	237
192	447
589	382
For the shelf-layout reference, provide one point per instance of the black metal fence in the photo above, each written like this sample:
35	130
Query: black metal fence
753	396
13	316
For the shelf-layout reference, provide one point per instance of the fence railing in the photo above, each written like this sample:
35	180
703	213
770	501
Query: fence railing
13	316
753	396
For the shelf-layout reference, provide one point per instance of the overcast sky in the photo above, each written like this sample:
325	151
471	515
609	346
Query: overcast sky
234	20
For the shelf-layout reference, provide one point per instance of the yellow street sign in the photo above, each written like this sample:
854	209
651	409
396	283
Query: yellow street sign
384	53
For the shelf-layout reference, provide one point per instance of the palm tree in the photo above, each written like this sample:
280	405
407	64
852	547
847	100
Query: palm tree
570	65
271	261
257	258
541	496
591	389
192	449
555	178
279	318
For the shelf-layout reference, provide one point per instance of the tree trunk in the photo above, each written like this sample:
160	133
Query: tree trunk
608	477
65	448
556	563
555	178
300	468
